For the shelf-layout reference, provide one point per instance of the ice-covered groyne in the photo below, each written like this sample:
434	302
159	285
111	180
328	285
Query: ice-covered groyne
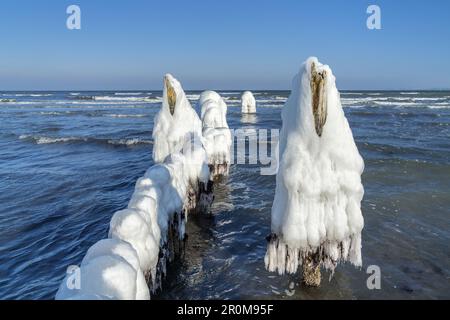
316	213
216	133
248	102
142	238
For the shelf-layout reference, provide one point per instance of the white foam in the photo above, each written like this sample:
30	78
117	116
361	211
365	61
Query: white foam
49	140
132	99
129	93
112	115
129	142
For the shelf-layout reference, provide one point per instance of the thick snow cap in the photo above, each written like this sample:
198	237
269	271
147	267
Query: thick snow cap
317	205
175	120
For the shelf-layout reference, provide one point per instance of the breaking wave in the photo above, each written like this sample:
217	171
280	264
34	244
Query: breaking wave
109	98
112	115
53	140
129	93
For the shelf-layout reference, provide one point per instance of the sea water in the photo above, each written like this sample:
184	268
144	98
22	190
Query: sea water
69	160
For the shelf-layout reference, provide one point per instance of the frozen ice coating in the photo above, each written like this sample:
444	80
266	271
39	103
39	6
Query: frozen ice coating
204	102
128	225
216	134
151	230
248	102
106	276
115	247
316	213
174	121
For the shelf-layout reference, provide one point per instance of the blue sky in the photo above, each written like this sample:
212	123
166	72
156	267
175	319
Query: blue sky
221	44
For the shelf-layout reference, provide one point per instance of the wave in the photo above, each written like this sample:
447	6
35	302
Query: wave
53	113
14	102
276	99
54	140
429	99
27	95
80	97
193	96
129	142
96	104
279	105
410	92
47	140
396	103
129	93
360	102
112	115
109	98
439	106
366	99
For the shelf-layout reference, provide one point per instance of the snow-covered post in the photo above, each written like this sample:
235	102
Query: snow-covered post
316	213
174	121
216	133
248	103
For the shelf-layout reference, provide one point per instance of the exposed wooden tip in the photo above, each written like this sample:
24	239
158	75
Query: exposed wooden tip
319	98
171	96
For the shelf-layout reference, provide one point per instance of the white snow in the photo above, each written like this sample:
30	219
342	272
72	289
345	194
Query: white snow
115	247
248	102
174	121
216	133
105	277
316	210
129	225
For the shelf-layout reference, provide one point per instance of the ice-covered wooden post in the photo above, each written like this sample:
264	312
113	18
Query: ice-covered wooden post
316	213
174	122
216	133
248	103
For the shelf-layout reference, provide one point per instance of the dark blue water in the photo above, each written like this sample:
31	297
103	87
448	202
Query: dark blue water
69	160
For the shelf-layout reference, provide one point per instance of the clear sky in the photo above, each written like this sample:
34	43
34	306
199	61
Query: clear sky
224	44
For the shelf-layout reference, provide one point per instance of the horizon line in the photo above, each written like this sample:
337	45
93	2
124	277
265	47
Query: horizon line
133	90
